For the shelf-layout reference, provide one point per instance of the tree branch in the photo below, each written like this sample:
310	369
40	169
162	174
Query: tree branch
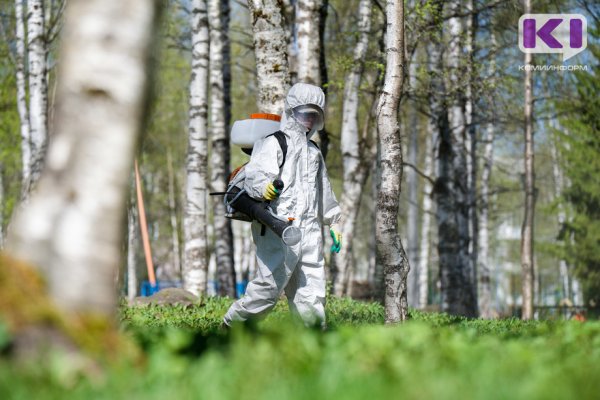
430	179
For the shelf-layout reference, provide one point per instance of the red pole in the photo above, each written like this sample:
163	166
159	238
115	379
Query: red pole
144	227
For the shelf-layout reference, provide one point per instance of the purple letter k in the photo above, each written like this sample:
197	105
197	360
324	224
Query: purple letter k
545	33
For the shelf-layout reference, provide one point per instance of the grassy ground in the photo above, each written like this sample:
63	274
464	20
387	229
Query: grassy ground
434	356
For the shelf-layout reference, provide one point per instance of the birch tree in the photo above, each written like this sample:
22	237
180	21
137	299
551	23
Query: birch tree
173	215
471	143
289	11
270	49
485	292
529	178
132	230
484	273
563	267
323	76
422	276
456	275
38	88
220	112
309	43
354	164
72	226
390	252
412	227
195	259
22	108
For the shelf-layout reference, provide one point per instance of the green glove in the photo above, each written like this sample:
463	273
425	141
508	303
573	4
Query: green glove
337	240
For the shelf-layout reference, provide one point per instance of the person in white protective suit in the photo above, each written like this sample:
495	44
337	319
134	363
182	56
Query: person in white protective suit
307	197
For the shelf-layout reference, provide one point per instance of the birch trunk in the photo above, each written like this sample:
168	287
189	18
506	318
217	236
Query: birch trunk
353	163
289	11
527	228
195	257
563	267
38	88
173	214
72	226
577	291
424	259
374	265
220	112
485	291
438	128
390	253
471	146
270	48
21	82
456	275
132	240
309	43
244	250
412	229
238	246
323	78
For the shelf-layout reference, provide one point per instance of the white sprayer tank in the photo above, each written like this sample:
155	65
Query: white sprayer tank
246	132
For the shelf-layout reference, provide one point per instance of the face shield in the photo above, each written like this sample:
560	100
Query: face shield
310	116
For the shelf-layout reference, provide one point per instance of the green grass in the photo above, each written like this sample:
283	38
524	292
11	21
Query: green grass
434	356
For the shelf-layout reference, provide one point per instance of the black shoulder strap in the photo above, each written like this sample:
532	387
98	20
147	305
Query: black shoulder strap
315	143
280	136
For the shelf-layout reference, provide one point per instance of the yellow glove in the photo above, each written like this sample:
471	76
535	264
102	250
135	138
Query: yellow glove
337	240
271	192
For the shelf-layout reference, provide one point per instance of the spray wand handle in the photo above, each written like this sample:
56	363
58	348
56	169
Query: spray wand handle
278	183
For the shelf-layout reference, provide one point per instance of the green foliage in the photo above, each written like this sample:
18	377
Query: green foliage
431	356
208	314
580	155
10	138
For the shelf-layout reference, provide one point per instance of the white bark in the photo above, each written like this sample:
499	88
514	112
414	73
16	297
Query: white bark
485	273
173	215
471	147
563	267
270	48
22	108
485	291
390	253
307	27
220	113
528	159
195	259
354	165
577	291
375	269
38	88
437	130
132	229
412	223
72	226
244	251
424	259
289	11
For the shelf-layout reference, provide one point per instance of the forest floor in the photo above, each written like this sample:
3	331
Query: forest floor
183	354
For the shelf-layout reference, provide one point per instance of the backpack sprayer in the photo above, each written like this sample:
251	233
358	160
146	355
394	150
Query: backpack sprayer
238	204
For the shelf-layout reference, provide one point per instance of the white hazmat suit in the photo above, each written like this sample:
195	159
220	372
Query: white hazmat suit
308	198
